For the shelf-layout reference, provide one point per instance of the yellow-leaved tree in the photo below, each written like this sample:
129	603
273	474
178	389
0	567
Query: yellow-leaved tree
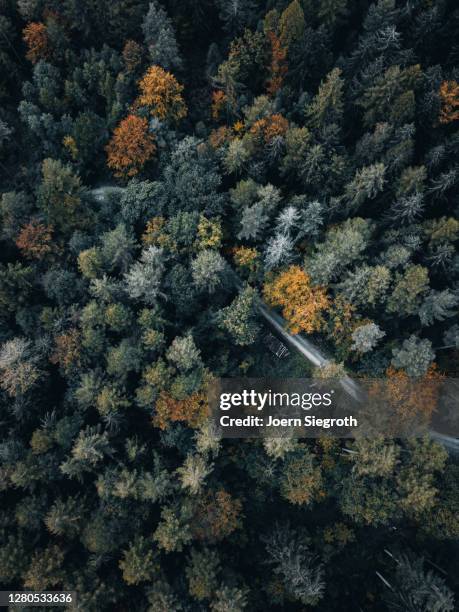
302	303
162	94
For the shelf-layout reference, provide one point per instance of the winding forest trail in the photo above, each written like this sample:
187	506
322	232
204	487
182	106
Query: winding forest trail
298	342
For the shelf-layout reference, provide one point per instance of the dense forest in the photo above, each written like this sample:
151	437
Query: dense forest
165	167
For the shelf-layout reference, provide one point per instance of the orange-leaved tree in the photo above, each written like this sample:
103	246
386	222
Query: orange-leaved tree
302	303
131	146
265	130
449	97
36	38
412	397
221	136
219	101
132	55
68	349
217	515
162	94
35	240
278	68
192	410
401	404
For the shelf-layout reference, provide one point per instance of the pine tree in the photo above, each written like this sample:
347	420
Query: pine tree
184	353
193	473
415	356
344	244
367	183
45	570
65	517
327	105
416	588
238	319
138	562
236	14
209	271
331	11
202	570
292	24
301	480
144	277
279	251
365	337
297	567
160	38
59	195
409	290
229	599
438	306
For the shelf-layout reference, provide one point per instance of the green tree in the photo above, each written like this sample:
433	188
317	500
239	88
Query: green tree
415	588
184	353
202	572
292	24
239	318
160	38
415	356
59	196
138	563
209	271
365	337
143	280
409	290
45	570
298	568
327	105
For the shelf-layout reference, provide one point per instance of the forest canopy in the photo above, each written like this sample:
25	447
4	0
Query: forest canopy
166	167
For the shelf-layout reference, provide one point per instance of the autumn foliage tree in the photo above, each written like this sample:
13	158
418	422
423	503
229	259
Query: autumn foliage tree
265	130
449	96
302	304
293	162
67	350
34	240
301	481
131	146
278	68
192	410
162	94
132	55
411	398
218	514
219	101
36	37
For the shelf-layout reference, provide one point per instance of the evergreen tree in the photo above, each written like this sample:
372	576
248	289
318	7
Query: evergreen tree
160	39
297	567
143	279
416	588
365	337
239	320
415	356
